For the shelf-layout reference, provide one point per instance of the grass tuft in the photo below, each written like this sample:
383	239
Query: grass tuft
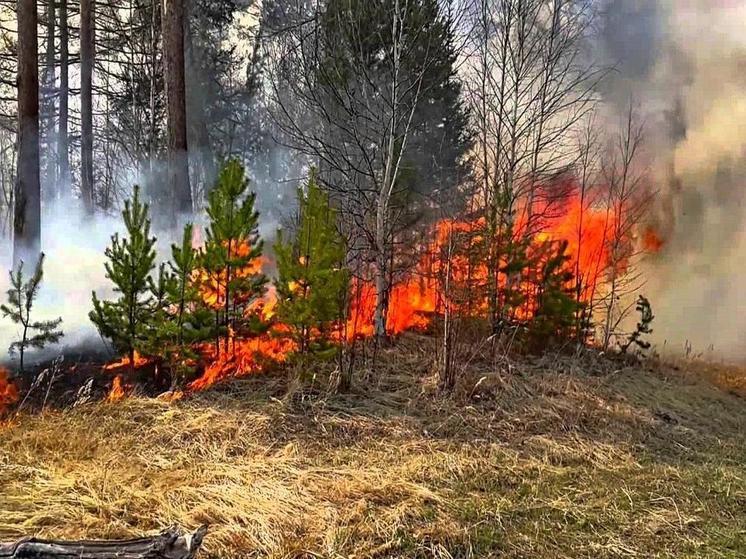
536	458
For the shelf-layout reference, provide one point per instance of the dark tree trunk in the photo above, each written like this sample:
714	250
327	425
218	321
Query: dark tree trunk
63	147
27	216
167	545
50	71
154	36
178	163
87	49
201	155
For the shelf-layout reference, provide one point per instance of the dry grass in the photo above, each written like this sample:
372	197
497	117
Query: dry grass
538	460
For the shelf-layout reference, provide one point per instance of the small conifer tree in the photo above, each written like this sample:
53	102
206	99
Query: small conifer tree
131	261
311	280
556	307
21	297
180	319
643	326
231	255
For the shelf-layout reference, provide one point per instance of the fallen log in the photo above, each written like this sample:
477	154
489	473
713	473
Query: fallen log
169	544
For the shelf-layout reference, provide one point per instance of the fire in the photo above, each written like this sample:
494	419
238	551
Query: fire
212	286
651	242
8	391
456	250
124	362
243	357
117	392
415	301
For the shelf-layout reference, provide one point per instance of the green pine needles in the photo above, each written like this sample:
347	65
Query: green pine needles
131	261
312	281
21	297
643	327
196	296
180	319
231	256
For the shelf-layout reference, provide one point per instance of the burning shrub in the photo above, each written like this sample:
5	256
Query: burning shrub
230	277
312	281
21	296
180	320
556	308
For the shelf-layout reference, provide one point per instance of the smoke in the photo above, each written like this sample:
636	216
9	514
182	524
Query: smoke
74	246
684	62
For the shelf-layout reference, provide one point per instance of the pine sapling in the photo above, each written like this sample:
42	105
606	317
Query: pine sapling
179	318
131	260
21	297
311	280
231	255
643	326
553	318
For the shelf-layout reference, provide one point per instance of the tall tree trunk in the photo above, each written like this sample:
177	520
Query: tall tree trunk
178	163
27	217
87	47
200	153
50	71
63	146
155	14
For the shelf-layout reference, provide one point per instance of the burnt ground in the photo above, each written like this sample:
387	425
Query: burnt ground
68	375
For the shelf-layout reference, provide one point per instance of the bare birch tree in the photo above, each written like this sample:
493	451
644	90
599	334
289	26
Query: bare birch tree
529	85
348	82
629	193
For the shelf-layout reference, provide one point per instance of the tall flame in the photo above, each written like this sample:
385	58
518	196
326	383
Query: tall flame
117	391
416	299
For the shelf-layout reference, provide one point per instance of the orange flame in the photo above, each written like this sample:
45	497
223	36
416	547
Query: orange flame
117	392
413	301
8	391
651	241
124	362
242	357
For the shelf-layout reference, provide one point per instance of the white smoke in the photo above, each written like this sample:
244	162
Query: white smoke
74	245
685	60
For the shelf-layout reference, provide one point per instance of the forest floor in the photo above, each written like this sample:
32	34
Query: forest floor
555	457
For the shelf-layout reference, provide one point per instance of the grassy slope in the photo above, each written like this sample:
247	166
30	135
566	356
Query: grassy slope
541	460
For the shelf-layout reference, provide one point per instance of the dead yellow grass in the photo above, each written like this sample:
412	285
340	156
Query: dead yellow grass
539	461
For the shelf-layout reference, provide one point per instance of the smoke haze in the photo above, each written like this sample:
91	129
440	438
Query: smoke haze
684	61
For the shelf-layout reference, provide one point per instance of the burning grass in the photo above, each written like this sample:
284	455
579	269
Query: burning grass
549	458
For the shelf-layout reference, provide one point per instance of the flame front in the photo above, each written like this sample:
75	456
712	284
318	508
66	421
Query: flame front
125	362
415	300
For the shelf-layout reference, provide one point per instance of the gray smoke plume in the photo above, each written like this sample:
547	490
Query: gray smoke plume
684	61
